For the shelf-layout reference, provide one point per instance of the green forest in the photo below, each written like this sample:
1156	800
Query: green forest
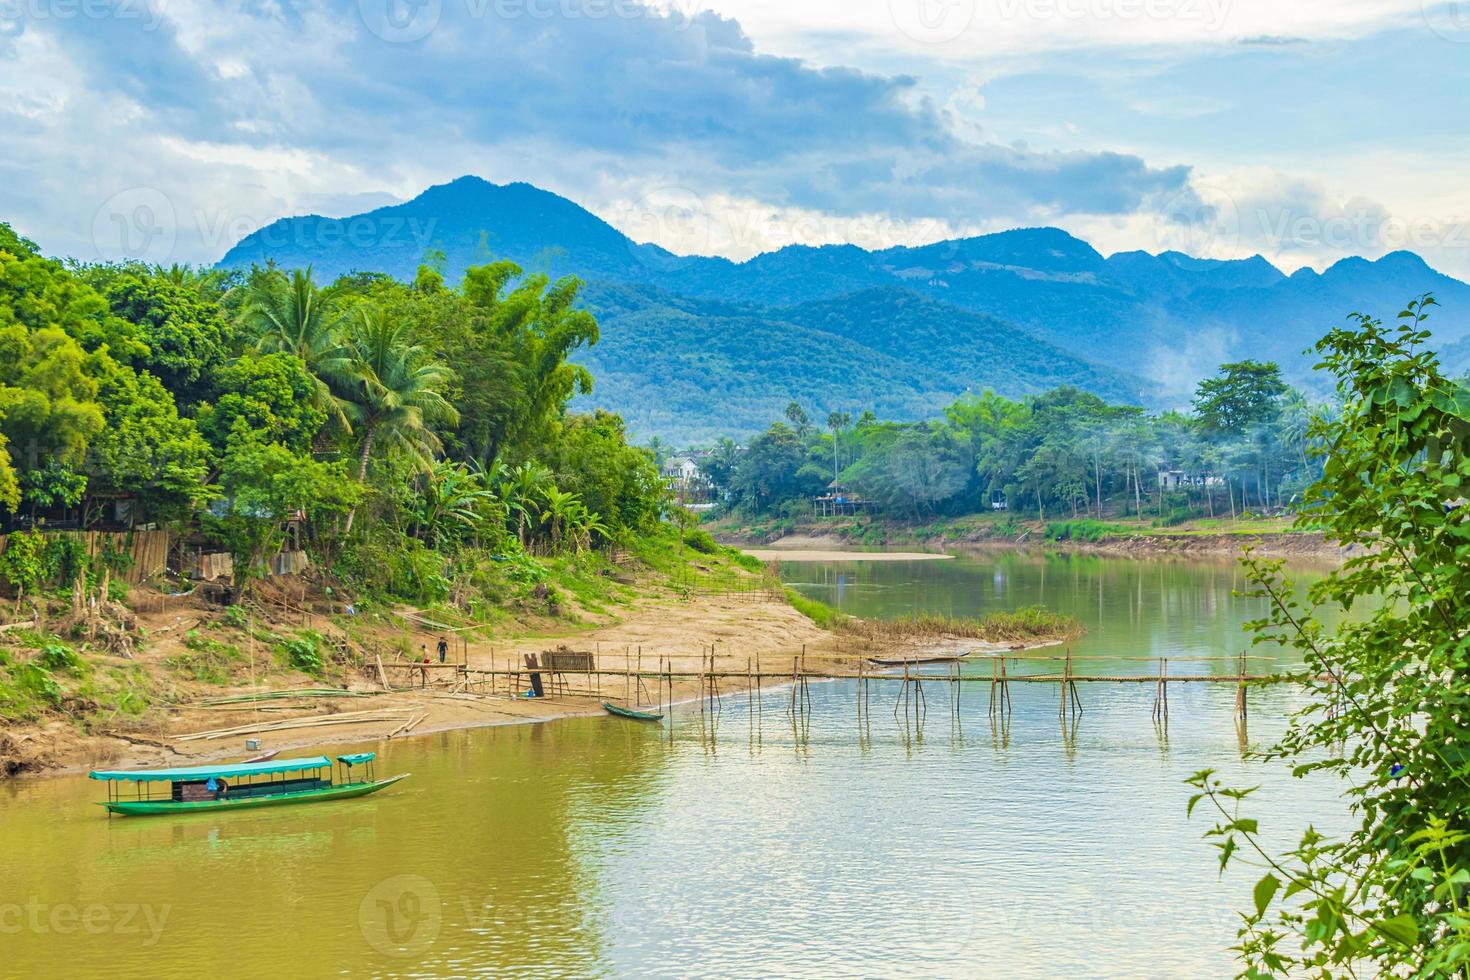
413	438
1244	447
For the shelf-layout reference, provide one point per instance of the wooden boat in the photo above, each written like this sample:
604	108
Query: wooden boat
920	658
241	785
622	712
263	757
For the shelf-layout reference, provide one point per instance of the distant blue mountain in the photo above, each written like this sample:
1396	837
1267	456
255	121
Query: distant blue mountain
1049	307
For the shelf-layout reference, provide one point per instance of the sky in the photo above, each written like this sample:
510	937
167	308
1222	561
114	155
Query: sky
1302	130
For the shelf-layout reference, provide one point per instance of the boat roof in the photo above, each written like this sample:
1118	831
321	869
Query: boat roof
357	757
204	772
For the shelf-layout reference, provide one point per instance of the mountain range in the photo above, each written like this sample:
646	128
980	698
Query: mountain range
694	347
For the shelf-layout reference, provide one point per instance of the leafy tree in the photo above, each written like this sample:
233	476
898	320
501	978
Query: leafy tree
771	469
592	459
274	394
38	293
184	330
9	482
146	448
523	338
48	394
1389	691
1244	393
266	486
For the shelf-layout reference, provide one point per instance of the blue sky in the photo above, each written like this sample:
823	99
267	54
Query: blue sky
1303	130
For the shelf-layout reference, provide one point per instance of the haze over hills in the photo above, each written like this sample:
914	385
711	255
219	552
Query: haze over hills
693	346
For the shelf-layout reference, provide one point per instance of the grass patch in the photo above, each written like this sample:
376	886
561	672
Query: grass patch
1029	624
815	610
1085	530
208	661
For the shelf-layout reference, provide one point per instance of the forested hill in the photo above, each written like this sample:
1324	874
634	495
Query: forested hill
693	345
693	370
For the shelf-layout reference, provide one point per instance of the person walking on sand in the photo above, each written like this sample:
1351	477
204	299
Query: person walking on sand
423	671
443	649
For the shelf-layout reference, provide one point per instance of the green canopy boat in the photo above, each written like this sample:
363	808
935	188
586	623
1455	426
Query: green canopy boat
242	785
622	712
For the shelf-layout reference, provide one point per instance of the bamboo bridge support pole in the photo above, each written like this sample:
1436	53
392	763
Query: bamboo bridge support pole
994	677
795	677
1066	679
1240	705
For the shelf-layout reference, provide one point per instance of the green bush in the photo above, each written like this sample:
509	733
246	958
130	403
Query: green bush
701	541
814	609
59	656
1084	530
302	653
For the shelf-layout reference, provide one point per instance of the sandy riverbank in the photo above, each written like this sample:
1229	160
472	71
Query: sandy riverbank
1311	547
754	630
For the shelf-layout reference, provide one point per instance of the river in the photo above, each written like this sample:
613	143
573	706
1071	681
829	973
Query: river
606	847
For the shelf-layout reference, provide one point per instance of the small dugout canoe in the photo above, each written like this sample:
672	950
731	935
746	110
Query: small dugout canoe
919	659
622	712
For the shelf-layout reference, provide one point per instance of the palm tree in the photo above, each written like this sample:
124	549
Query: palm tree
289	313
837	421
390	390
560	507
520	490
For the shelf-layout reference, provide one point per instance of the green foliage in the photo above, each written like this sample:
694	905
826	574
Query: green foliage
302	653
1061	452
147	449
1083	530
274	394
23	562
1387	690
1245	393
177	319
814	609
56	656
32	678
208	660
700	540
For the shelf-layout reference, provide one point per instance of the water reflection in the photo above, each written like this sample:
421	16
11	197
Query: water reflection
837	831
